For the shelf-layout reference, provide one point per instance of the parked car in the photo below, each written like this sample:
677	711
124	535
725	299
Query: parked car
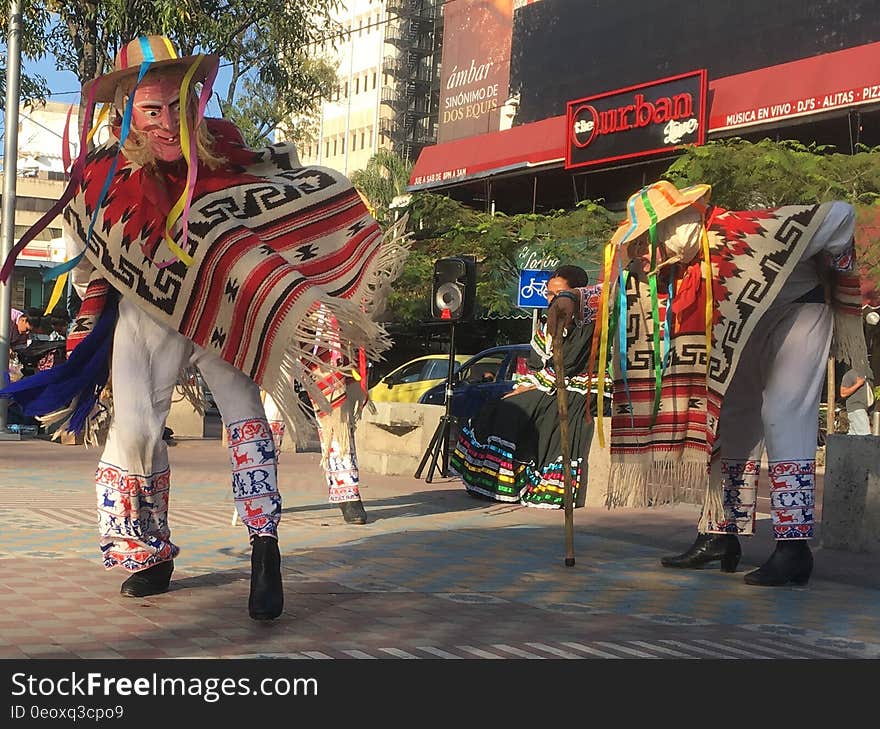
485	377
409	381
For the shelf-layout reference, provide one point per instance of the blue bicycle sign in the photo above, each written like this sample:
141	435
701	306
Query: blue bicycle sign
532	288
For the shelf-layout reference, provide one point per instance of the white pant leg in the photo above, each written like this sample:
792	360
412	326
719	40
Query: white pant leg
340	465
252	451
773	400
791	416
340	462
133	475
741	436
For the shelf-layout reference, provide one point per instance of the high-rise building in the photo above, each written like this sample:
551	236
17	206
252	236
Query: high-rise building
388	70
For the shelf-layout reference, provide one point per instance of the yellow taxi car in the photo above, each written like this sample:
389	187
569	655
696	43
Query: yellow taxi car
412	380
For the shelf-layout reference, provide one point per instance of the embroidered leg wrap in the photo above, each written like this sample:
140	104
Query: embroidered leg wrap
255	476
792	498
739	493
133	518
342	473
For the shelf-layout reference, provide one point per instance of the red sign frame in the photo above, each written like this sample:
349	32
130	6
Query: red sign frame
573	108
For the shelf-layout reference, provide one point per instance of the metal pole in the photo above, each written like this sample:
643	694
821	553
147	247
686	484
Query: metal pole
10	171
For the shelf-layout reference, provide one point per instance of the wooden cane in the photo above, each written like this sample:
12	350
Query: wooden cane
562	405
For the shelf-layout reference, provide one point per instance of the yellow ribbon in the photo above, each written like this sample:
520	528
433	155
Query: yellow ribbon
57	290
102	117
710	302
607	288
177	211
171	52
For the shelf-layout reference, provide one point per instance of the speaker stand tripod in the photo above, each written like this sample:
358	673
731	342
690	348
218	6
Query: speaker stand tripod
439	445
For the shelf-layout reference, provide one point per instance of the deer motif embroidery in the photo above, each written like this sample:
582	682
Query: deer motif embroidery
241	458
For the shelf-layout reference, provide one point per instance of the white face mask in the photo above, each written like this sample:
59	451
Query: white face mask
680	236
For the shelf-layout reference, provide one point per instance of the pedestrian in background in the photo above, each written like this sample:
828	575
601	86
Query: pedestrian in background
856	390
20	331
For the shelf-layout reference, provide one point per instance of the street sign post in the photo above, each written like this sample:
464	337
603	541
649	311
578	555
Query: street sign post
532	288
531	292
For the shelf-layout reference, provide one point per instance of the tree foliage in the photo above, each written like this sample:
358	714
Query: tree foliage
33	47
264	46
742	174
747	175
384	178
443	227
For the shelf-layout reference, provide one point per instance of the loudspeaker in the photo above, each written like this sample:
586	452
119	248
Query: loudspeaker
454	288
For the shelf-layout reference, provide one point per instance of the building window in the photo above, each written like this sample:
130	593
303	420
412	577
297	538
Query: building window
335	146
363	138
375	75
357	85
370	131
327	148
346	90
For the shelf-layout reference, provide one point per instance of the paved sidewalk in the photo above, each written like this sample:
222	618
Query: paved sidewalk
434	574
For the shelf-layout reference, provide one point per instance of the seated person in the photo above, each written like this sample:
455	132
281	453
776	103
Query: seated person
512	450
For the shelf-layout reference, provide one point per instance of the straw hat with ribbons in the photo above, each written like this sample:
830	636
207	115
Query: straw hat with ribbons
155	50
656	203
132	62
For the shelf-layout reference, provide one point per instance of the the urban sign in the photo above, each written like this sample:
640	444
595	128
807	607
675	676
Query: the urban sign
647	119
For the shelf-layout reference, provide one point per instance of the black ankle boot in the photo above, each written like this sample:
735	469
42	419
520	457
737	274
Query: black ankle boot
266	600
708	548
791	561
353	512
151	581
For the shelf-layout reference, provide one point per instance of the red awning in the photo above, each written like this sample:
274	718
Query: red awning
767	95
807	86
470	158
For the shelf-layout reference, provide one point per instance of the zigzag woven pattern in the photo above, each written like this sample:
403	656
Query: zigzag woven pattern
667	459
273	243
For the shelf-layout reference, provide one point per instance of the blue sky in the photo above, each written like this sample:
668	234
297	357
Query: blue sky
63	85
